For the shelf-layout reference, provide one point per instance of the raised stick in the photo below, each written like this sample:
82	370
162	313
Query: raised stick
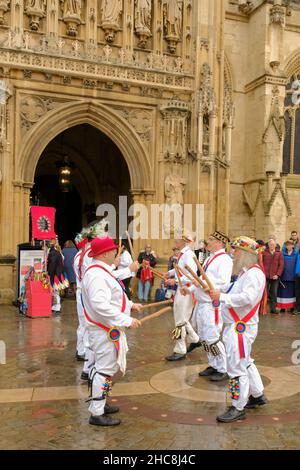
120	246
185	274
130	246
158	274
201	271
197	279
158	304
205	276
178	275
155	315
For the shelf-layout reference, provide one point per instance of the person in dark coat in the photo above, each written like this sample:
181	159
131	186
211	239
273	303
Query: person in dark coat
69	252
55	272
273	266
286	297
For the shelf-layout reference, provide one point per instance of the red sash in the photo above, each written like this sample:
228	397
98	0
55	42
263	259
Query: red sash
241	324
112	333
215	305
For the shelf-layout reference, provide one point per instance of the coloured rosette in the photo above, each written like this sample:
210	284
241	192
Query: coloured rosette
114	334
240	327
216	303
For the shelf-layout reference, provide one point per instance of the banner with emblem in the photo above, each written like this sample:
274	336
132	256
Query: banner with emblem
42	220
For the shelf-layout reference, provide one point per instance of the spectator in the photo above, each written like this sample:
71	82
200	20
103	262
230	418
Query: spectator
273	265
55	271
147	259
173	259
126	261
297	286
295	239
69	252
286	299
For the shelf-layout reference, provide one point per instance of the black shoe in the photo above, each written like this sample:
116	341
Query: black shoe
109	409
79	357
254	402
193	346
218	376
104	420
84	376
176	357
207	372
232	414
274	312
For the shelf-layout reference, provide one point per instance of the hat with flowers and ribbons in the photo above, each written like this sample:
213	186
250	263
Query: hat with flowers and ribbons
246	244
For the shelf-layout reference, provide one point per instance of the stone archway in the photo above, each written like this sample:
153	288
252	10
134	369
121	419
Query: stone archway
70	115
99	116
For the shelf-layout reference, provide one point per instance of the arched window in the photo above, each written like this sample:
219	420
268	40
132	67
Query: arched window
291	148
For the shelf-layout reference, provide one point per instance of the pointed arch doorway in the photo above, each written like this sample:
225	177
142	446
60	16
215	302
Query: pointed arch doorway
99	174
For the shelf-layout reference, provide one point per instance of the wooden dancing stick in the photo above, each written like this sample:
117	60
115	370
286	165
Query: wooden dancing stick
130	246
185	274
155	315
157	273
157	304
205	276
120	246
197	279
178	275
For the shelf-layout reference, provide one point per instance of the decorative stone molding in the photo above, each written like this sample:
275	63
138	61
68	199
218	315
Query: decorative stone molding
142	21
111	12
246	7
4	8
32	108
276	118
5	94
71	15
175	130
36	10
207	97
277	15
140	120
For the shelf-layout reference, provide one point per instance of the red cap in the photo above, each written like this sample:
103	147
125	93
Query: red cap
102	245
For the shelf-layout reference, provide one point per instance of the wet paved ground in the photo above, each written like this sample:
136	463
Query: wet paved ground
163	405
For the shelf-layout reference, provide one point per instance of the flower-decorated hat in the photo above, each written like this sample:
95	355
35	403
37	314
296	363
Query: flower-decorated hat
247	244
80	241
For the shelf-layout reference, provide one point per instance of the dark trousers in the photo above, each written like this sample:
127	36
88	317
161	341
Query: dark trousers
272	287
126	283
297	289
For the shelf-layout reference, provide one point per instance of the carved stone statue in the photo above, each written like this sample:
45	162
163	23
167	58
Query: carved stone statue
172	11
174	188
35	9
72	8
72	15
143	21
111	11
4	7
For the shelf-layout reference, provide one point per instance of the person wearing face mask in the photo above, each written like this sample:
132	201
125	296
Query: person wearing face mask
147	259
107	311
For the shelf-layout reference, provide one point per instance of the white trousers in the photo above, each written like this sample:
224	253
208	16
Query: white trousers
89	360
183	309
56	306
105	366
81	330
210	332
245	369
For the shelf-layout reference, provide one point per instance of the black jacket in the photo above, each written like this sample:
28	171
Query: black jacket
54	264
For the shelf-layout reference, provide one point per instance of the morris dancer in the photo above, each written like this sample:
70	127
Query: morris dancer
183	305
218	267
241	317
107	311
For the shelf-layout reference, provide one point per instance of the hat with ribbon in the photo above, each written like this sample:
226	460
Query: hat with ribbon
188	237
246	244
102	245
221	237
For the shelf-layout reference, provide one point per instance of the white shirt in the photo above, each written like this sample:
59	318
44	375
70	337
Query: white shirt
219	272
245	294
102	297
186	256
126	260
85	264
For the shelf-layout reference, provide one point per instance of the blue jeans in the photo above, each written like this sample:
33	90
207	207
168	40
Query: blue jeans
144	290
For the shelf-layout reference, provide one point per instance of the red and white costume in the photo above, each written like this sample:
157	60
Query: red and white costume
106	306
242	303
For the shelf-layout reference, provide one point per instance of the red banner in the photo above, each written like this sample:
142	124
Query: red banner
43	219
